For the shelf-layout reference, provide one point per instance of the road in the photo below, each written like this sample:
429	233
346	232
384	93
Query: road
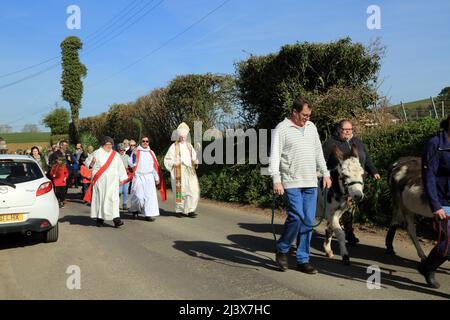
226	253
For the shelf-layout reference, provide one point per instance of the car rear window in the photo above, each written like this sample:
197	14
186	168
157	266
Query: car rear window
19	171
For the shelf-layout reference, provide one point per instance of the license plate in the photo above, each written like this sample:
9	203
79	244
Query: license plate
8	218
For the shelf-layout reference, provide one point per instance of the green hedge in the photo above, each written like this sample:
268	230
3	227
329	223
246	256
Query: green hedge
236	183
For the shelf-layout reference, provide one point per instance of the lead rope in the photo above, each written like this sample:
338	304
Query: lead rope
441	227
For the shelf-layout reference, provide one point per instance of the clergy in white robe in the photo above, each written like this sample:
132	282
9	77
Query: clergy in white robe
181	161
105	192
144	197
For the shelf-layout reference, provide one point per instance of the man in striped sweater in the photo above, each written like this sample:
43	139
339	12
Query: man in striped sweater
296	154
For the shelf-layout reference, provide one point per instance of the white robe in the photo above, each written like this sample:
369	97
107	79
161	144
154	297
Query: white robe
105	193
144	197
190	189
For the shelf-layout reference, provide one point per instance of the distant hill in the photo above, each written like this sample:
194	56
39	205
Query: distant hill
413	105
419	109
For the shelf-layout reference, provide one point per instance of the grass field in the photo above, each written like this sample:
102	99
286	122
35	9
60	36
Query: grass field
414	105
25	141
22	137
420	108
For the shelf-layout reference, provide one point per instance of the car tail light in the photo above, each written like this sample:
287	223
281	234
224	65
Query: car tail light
44	188
44	224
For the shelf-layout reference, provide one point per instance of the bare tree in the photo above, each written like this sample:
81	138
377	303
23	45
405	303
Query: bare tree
5	128
30	128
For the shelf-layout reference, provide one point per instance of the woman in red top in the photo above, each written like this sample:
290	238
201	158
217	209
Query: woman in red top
59	175
85	174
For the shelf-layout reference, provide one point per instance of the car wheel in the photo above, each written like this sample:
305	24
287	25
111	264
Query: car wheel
51	235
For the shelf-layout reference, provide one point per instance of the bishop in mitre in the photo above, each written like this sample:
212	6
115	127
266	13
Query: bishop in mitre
181	161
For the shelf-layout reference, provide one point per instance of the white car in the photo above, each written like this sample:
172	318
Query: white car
27	201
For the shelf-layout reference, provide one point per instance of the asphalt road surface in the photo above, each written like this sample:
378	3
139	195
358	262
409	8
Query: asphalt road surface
225	253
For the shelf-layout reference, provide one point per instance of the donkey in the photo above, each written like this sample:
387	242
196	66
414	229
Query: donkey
346	191
409	199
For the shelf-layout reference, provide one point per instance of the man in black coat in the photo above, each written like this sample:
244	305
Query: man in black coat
343	138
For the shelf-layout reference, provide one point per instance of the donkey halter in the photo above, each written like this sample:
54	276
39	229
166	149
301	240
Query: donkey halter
353	183
350	202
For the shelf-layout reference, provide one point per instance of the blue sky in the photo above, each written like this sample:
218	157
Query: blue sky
416	33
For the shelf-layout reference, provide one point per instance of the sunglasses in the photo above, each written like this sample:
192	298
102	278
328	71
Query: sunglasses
144	141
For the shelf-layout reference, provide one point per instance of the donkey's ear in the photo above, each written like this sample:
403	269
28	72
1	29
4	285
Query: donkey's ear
338	152
355	151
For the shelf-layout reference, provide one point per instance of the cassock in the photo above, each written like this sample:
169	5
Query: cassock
187	199
105	193
144	198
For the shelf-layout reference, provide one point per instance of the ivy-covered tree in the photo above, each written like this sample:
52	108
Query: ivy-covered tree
72	85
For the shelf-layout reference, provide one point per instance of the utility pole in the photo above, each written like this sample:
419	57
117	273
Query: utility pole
434	107
404	111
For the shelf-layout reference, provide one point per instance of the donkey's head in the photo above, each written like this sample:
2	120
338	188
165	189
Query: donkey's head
351	174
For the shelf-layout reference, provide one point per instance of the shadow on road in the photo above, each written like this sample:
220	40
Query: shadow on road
17	240
85	221
127	215
359	251
233	253
334	267
74	196
172	214
358	272
223	253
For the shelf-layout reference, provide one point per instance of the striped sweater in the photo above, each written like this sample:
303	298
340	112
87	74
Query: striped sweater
296	154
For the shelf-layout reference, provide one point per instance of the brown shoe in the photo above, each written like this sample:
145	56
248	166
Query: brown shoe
306	268
282	261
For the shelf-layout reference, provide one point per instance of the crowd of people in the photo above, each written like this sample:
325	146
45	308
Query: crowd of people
297	154
108	175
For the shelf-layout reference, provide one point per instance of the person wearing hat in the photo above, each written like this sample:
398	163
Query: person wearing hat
181	161
147	177
108	172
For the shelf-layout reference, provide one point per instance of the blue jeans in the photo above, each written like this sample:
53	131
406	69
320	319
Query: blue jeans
123	190
299	201
442	245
